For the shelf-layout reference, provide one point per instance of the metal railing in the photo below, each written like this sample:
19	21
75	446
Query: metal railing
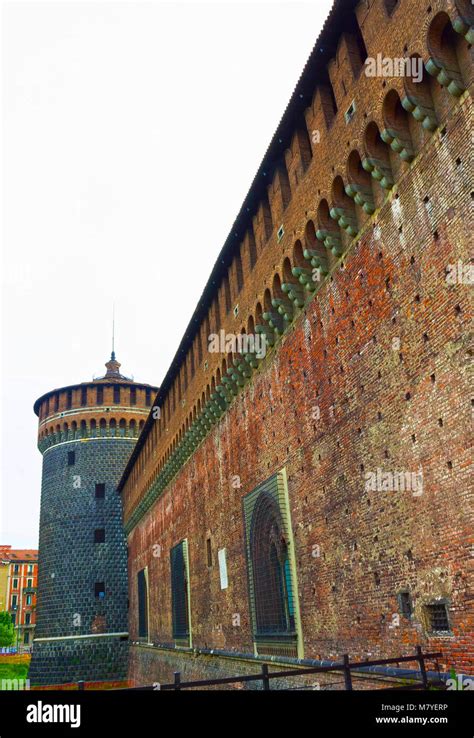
346	666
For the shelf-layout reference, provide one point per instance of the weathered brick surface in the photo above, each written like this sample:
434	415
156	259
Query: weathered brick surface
372	374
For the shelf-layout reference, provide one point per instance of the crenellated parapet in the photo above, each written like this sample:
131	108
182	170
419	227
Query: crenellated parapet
112	406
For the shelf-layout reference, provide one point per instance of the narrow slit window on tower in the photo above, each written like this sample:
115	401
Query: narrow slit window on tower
69	400
99	590
99	535
209	551
117	395
100	490
71	458
100	395
438	621
133	395
148	397
56	403
83	396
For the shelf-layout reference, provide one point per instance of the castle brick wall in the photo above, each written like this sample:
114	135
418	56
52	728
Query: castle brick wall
371	374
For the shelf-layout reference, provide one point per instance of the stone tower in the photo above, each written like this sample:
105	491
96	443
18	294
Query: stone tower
86	434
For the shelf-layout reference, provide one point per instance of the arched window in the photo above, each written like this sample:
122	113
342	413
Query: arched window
272	591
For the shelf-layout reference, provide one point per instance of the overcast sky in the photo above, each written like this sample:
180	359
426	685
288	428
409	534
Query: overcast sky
131	134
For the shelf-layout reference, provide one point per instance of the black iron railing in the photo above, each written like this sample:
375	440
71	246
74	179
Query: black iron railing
346	666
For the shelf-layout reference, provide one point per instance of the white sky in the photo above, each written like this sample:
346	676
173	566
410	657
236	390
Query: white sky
131	134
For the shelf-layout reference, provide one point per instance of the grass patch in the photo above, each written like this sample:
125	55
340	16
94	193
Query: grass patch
14	667
13	671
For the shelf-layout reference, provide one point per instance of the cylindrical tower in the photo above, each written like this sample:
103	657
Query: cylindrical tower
86	434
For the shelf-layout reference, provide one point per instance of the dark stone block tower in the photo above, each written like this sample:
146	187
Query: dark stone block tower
86	434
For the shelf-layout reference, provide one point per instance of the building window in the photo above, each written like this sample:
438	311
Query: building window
405	604
56	403
15	584
16	568
99	590
180	593
69	400
83	396
100	395
14	600
133	395
28	599
99	535
271	587
26	638
30	568
100	491
438	621
71	458
142	587
117	395
27	618
148	397
29	582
